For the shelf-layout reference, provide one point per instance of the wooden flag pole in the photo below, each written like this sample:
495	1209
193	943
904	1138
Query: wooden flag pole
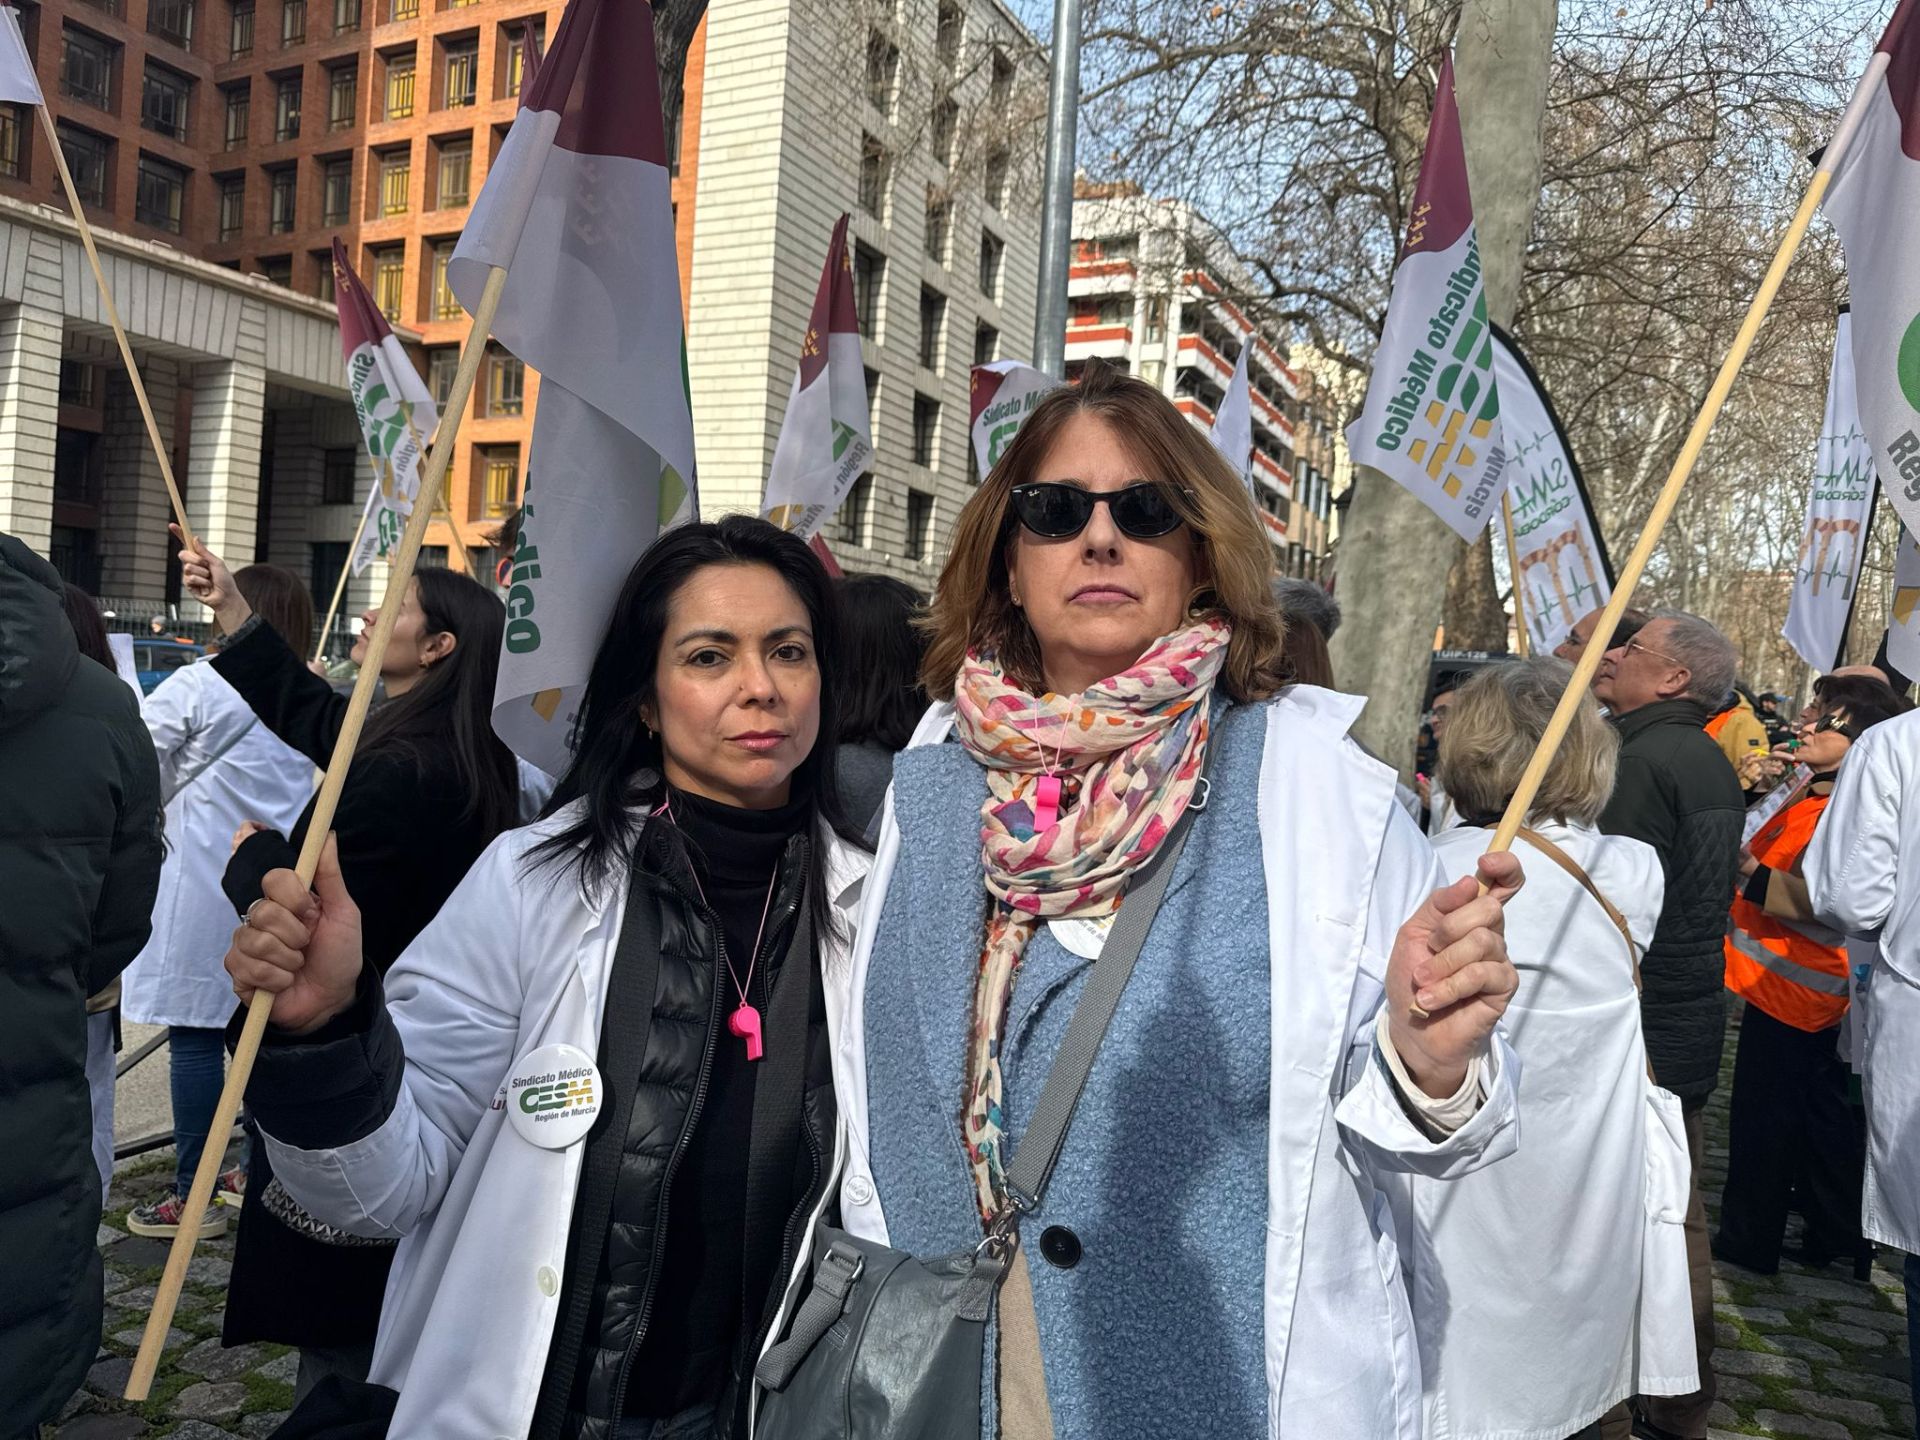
113	318
1576	692
167	1295
340	587
1520	635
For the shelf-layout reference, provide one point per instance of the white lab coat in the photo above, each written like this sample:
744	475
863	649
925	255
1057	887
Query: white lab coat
1863	876
511	963
1340	880
1548	1340
219	766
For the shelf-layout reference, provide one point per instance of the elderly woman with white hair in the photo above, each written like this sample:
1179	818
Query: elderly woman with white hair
1566	1325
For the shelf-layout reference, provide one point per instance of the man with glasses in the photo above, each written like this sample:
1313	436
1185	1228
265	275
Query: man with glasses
1677	793
1575	643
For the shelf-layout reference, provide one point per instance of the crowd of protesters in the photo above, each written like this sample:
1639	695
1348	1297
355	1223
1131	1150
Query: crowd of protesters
822	906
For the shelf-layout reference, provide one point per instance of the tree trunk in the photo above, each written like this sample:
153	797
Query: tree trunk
674	22
1475	618
1393	593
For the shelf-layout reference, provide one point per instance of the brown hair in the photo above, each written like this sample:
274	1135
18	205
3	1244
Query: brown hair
279	599
1495	726
972	608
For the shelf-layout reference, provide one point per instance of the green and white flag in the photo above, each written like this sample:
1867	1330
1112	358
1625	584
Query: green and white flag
1432	413
1002	393
395	408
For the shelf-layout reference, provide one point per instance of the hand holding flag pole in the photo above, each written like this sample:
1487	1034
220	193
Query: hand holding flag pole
167	1295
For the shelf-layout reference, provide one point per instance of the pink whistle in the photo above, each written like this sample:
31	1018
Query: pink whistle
745	1022
1046	803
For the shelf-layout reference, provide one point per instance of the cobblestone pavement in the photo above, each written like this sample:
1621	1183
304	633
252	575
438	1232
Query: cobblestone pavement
1803	1353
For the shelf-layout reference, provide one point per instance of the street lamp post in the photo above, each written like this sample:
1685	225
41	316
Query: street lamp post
1056	216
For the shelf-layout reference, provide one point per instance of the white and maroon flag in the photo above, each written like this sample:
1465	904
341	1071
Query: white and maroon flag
1872	202
577	209
1834	540
1432	413
1233	421
825	441
395	409
1903	622
1001	396
17	81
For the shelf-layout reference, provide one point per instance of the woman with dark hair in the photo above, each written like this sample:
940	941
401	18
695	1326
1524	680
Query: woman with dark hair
667	945
219	768
428	790
89	630
881	643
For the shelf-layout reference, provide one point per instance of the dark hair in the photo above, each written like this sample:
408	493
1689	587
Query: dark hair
1864	700
1307	660
1309	601
617	765
83	614
881	644
451	705
281	602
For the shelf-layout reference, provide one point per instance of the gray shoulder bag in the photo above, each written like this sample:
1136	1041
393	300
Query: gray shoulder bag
889	1346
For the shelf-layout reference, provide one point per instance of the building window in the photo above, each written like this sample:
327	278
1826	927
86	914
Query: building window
389	279
506	383
873	176
163	101
86	68
939	225
396	177
455	172
399	87
919	525
998	164
343	85
883	68
869	268
992	250
933	316
336	192
323	283
238	106
278	269
946	124
1156	321
854	512
77	385
926	431
517	54
293	22
872	378
159	191
240	30
286	108
440	367
89	159
1000	89
337	474
403	10
445	306
12	150
280	196
952	26
346	16
500	477
986	344
171	20
463	73
233	205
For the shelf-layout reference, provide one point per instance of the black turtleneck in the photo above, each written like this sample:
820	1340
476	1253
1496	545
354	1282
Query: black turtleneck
697	1307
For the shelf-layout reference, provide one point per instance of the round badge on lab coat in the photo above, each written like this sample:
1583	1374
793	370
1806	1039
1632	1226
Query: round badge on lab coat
553	1095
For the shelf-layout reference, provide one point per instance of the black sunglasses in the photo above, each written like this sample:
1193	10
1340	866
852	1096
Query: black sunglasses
1053	511
1838	723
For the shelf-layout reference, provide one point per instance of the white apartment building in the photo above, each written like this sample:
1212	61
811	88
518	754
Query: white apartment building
924	120
1152	288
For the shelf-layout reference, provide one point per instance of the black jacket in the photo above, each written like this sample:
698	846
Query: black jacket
1677	792
404	846
79	868
665	1014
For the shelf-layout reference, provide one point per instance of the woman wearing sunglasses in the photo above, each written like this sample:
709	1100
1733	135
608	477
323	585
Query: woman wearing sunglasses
1792	1129
1214	1237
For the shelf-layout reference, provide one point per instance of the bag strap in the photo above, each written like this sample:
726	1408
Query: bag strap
1039	1149
1567	863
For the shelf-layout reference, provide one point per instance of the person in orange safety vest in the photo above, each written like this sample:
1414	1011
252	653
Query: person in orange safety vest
1792	1135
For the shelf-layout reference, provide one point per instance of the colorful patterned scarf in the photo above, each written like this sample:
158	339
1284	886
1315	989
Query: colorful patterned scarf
1128	753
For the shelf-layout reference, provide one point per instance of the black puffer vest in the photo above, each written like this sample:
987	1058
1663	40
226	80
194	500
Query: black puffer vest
606	1304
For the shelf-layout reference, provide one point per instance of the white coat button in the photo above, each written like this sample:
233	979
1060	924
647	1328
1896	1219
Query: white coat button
859	1189
549	1281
